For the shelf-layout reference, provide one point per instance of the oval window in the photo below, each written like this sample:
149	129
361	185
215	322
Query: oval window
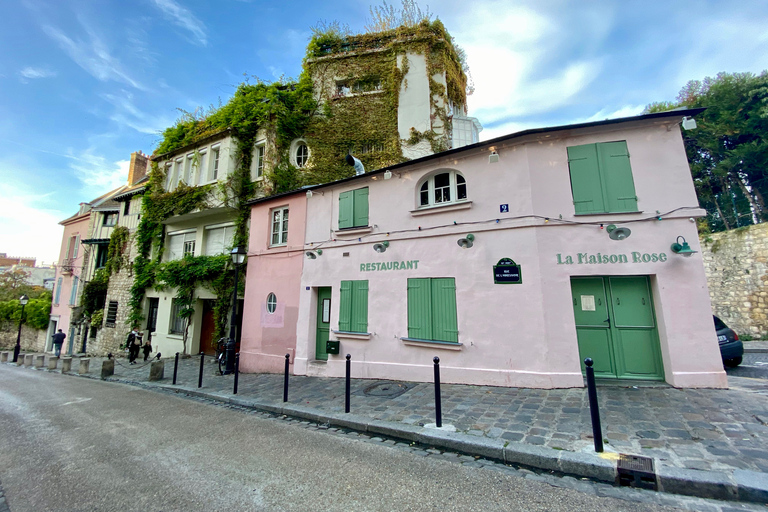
271	303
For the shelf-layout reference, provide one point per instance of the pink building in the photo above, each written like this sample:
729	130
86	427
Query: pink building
512	260
272	291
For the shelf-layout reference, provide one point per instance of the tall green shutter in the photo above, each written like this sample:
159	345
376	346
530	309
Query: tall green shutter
345	306
359	309
360	216
419	309
346	209
617	176
585	179
444	323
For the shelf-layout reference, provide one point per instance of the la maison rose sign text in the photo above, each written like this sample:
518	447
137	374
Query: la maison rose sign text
585	258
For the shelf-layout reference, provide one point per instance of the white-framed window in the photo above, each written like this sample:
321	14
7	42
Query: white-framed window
213	166
181	244
279	226
176	325
218	239
271	303
201	169
443	188
257	166
299	153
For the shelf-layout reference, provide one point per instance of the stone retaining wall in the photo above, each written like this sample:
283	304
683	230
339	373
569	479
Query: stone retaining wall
736	263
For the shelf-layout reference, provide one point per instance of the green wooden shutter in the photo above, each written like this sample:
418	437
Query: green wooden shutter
617	177
585	179
346	209
360	215
345	306
419	309
444	323
359	322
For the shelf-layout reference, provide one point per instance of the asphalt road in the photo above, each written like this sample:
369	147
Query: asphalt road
76	444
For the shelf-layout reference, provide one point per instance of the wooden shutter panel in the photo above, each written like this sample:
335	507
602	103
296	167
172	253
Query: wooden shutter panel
585	179
360	215
617	177
359	306
346	209
444	323
419	309
345	306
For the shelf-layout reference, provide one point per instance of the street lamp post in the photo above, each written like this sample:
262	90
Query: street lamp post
23	301
238	257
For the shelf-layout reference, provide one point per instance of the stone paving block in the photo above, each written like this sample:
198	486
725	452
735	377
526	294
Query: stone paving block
693	482
66	364
85	363
39	360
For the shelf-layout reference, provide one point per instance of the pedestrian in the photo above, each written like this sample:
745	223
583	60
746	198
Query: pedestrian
58	340
147	348
133	343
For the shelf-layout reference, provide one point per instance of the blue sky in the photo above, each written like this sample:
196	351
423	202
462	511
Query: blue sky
83	83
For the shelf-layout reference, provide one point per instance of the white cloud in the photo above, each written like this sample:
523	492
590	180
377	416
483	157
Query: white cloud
27	226
93	56
185	19
30	73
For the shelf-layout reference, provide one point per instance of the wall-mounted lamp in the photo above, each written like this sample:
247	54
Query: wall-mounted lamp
387	175
616	233
683	248
381	246
466	242
689	123
314	254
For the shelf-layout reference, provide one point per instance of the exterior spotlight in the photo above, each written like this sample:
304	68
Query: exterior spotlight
615	233
314	254
381	247
683	248
467	242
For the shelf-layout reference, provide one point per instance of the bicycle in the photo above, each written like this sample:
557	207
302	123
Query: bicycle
221	354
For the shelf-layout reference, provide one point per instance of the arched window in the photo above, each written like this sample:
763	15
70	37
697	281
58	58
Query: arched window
443	188
271	303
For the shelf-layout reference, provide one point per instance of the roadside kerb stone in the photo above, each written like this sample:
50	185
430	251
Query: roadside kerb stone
752	486
39	360
694	482
53	362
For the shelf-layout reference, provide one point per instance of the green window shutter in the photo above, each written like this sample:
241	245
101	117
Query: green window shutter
444	323
617	176
360	215
419	309
345	306
585	179
359	306
346	210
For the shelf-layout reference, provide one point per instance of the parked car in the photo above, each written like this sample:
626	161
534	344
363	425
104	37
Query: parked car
731	348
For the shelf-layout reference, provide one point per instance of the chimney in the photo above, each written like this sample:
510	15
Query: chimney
138	168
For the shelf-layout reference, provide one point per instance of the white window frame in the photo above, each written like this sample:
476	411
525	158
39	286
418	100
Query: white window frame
452	189
278	226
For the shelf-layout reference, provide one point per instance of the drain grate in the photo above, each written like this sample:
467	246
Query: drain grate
387	389
636	471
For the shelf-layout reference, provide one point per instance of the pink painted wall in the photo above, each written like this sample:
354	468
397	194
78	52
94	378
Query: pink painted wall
513	335
266	337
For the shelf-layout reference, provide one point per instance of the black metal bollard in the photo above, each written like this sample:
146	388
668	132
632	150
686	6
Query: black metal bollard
438	405
200	379
175	367
237	371
597	431
349	366
285	384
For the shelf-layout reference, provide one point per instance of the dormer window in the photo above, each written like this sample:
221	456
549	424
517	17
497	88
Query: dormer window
443	188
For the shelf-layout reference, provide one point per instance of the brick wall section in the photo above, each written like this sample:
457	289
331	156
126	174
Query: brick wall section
736	263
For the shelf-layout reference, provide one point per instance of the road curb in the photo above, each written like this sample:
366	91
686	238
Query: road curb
739	485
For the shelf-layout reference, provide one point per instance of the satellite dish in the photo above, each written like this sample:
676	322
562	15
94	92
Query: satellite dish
615	233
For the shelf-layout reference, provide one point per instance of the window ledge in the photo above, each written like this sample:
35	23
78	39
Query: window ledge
450	207
353	231
352	335
606	213
446	345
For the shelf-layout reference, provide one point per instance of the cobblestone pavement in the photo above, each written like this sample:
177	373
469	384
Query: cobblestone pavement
703	429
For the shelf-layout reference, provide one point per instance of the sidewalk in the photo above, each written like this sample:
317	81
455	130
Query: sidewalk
704	442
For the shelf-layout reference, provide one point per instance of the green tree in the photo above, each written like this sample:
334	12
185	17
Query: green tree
728	152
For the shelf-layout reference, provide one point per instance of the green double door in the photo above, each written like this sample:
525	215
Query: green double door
616	327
